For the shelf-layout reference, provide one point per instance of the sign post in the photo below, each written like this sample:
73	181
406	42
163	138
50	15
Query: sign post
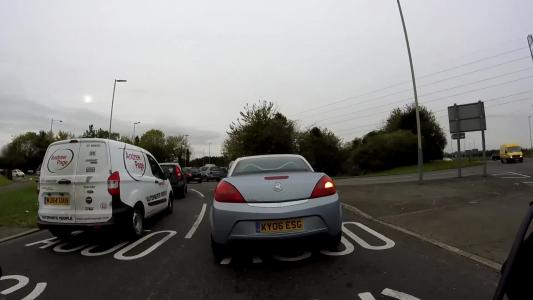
458	136
464	118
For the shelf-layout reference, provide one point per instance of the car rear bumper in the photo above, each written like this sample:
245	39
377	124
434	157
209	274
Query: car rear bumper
232	222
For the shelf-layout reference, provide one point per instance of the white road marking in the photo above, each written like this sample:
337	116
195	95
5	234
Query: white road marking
523	175
348	248
197	222
120	254
225	261
22	281
257	260
398	295
39	288
61	248
47	243
513	177
201	195
388	242
366	296
87	251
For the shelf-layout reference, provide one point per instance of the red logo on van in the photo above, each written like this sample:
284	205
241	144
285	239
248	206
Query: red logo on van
135	160
60	159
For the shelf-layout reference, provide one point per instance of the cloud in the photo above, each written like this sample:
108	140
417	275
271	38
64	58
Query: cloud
19	115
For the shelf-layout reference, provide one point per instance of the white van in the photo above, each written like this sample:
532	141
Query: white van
90	183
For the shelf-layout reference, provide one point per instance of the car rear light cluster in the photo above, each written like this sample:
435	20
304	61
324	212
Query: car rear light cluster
324	187
113	184
226	192
178	173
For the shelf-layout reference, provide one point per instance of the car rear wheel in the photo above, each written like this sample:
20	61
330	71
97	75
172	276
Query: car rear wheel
219	251
61	233
170	205
181	193
136	226
334	242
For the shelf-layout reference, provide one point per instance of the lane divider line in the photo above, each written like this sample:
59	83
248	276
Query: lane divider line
201	195
225	261
484	261
197	222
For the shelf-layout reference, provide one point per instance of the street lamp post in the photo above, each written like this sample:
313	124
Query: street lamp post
209	157
134	123
418	131
187	152
52	125
112	103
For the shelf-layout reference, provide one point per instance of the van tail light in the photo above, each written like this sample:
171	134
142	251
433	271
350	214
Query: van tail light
178	173
324	187
227	192
113	184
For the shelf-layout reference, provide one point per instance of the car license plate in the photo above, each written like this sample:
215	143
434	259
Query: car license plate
275	226
57	200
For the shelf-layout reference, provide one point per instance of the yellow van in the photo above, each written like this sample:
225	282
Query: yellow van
510	153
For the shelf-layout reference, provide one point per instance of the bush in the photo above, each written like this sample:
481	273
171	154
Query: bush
386	150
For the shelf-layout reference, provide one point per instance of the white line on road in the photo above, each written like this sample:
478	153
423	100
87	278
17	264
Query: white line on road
197	222
39	288
201	195
225	261
398	295
525	176
366	296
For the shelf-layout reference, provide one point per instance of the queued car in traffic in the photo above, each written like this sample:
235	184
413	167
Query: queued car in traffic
212	172
177	178
17	173
269	198
91	183
193	174
511	153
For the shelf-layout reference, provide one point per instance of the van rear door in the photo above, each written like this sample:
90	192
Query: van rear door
57	200
93	202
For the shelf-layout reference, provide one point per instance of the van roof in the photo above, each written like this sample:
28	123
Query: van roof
107	141
510	145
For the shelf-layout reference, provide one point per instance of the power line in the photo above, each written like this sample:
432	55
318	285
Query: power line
408	81
354	113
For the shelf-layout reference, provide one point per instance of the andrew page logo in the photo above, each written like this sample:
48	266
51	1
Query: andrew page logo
135	159
60	159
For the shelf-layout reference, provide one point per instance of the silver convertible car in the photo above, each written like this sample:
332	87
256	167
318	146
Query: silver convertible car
272	198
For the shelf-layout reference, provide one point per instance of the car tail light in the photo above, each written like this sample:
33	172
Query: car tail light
324	187
113	184
226	192
178	173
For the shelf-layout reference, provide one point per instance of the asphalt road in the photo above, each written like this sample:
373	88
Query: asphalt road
173	261
494	168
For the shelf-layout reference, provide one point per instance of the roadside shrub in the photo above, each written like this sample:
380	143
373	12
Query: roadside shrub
386	150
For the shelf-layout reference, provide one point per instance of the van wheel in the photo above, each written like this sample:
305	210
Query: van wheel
136	223
170	206
60	232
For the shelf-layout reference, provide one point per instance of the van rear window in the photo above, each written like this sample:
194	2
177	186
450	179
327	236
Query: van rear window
60	159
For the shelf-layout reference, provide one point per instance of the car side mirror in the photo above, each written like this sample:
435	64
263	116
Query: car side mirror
518	268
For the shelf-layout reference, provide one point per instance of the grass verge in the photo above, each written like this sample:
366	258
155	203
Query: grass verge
431	166
18	207
4	181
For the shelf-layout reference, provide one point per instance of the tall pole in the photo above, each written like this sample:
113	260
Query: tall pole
52	125
530	140
134	124
418	131
530	44
209	158
112	103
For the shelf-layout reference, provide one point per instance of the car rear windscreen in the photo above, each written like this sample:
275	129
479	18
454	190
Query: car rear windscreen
270	164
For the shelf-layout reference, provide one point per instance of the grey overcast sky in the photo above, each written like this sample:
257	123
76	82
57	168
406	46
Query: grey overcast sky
192	65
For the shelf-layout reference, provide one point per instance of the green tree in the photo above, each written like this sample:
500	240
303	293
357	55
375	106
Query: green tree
100	133
322	149
433	138
63	135
385	151
176	148
26	151
260	129
154	141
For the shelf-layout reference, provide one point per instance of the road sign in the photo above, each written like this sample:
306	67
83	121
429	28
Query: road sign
458	136
467	117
